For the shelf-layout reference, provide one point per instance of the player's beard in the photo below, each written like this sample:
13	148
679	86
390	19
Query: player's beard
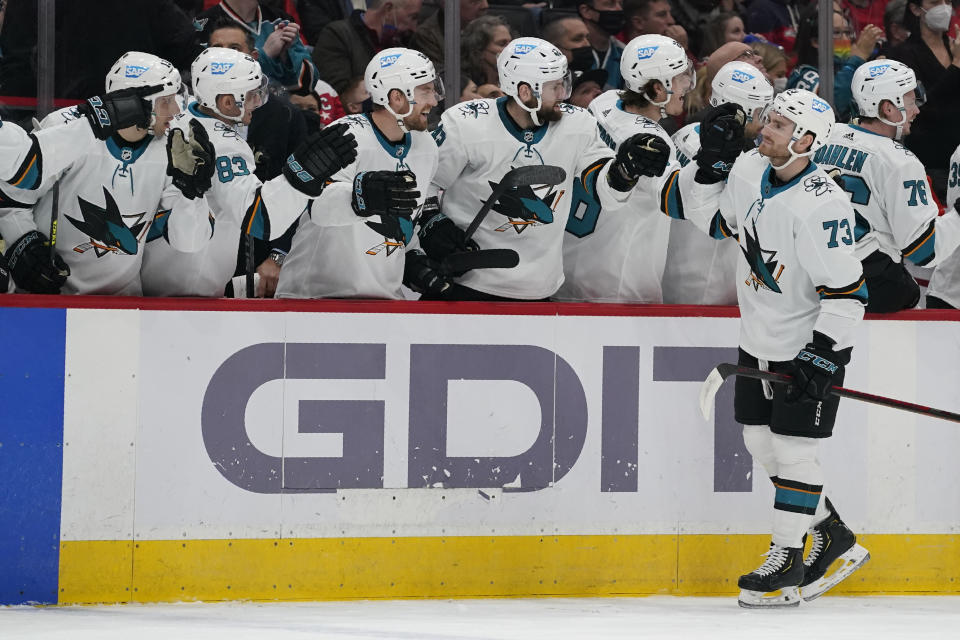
544	114
413	122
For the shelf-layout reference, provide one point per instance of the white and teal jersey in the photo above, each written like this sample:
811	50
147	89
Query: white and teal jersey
29	159
945	281
479	143
895	211
168	272
337	254
797	272
699	270
109	197
617	253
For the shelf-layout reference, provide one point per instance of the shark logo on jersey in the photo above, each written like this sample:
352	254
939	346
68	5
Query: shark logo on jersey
741	76
523	49
389	61
396	231
220	68
646	52
818	185
524	208
762	263
475	109
134	71
106	227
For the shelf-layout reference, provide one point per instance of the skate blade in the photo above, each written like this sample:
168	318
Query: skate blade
786	597
839	571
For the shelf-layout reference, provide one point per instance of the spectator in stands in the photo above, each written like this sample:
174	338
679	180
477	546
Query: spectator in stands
864	12
724	28
490	91
893	26
935	57
317	14
773	20
89	40
570	35
283	57
428	38
647	16
604	20
694	15
775	61
354	96
321	107
480	44
587	85
846	58
468	89
344	47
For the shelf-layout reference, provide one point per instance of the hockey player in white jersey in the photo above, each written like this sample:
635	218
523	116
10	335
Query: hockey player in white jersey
943	292
481	140
801	293
108	198
896	215
700	270
609	256
352	242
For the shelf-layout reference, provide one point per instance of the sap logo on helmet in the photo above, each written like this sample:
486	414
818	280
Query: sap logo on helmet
220	68
646	52
878	70
134	71
741	76
521	49
820	106
387	61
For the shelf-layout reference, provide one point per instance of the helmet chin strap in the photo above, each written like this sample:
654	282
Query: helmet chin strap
532	111
897	125
400	122
793	155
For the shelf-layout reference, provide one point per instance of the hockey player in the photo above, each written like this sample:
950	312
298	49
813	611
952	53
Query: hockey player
609	256
481	140
943	292
896	217
352	242
699	270
801	293
107	198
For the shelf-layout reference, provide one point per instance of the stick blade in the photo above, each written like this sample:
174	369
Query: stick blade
535	174
708	391
479	259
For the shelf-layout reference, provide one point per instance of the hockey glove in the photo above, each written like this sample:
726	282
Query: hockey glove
190	162
385	193
320	156
118	110
4	275
31	267
423	275
815	369
721	142
642	154
440	236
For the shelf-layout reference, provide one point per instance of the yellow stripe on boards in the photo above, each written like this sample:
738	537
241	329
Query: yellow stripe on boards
435	567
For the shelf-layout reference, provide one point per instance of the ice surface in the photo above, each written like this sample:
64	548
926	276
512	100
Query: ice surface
907	617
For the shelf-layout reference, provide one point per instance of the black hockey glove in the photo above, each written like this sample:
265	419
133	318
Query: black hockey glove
31	267
642	154
423	275
721	142
320	156
385	193
4	275
440	236
190	162
118	110
815	369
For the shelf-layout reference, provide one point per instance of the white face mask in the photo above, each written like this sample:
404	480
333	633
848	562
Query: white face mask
938	18
780	84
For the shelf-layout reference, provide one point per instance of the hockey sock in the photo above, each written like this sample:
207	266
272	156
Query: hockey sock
759	442
823	512
799	484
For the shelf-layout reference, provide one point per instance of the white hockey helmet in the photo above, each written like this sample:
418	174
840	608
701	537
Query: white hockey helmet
879	80
404	70
138	69
218	71
809	114
741	83
654	57
536	63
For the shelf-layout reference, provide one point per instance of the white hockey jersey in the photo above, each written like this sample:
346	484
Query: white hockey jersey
108	198
699	270
29	159
617	253
337	254
168	272
887	185
945	280
479	143
798	273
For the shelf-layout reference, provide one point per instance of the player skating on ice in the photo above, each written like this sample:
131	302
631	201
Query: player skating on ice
801	294
482	140
354	240
699	270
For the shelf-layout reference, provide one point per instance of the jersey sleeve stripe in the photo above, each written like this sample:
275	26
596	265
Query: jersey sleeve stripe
159	227
855	291
921	251
719	228
670	202
29	175
256	222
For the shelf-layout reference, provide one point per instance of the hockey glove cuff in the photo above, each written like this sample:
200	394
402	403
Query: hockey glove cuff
31	267
440	236
815	369
118	110
423	275
320	156
385	193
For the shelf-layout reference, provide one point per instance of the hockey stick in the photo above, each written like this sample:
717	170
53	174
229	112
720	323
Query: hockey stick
54	219
521	176
461	261
723	371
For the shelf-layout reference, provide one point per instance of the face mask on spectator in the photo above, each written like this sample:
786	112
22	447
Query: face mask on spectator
611	22
841	47
938	18
582	58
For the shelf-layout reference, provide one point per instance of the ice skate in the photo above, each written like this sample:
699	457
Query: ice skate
834	555
775	583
